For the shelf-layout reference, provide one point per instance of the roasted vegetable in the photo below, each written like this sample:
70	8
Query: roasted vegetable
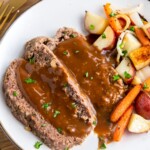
142	105
146	29
94	23
140	57
107	40
126	70
141	75
138	124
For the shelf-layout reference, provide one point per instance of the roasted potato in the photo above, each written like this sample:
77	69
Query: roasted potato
142	105
140	57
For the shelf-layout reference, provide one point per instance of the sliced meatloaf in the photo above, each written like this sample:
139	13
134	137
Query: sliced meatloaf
27	114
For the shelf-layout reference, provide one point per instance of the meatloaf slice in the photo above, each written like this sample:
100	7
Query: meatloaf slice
28	115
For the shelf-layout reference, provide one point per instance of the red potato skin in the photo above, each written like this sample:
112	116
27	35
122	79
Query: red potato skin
142	105
113	44
148	30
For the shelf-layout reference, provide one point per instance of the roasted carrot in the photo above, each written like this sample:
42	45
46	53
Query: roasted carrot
108	10
125	103
141	36
146	85
115	24
113	21
122	124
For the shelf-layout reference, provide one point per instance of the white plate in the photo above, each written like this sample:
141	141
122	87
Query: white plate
44	19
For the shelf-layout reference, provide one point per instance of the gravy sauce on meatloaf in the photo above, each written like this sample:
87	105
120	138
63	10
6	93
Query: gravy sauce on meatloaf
94	73
44	89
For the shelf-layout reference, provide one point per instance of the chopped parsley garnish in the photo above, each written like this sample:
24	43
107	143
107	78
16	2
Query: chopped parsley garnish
43	125
46	105
59	130
124	52
76	52
65	53
91	78
92	27
74	105
121	45
66	148
132	28
112	14
56	113
65	84
94	123
14	93
103	36
37	145
127	75
116	77
145	86
32	60
103	146
73	35
29	81
86	74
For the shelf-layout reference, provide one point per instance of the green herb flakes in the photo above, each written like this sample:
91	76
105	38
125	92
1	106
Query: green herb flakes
65	85
112	14
43	125
29	81
65	53
124	52
46	105
91	27
37	145
121	45
73	35
59	130
86	74
74	105
66	148
145	86
91	78
76	52
132	28
94	123
56	113
116	77
127	75
14	93
103	146
32	60
103	36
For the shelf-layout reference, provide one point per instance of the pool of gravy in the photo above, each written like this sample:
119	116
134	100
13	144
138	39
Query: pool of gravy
43	87
94	73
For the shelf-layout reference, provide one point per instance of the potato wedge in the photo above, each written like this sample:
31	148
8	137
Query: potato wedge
138	124
140	57
141	75
131	42
126	67
94	23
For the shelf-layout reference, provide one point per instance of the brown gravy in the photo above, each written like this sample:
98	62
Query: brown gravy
43	88
94	74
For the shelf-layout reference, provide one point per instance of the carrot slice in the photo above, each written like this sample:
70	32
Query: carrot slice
113	21
141	36
125	103
146	85
115	24
108	9
122	124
